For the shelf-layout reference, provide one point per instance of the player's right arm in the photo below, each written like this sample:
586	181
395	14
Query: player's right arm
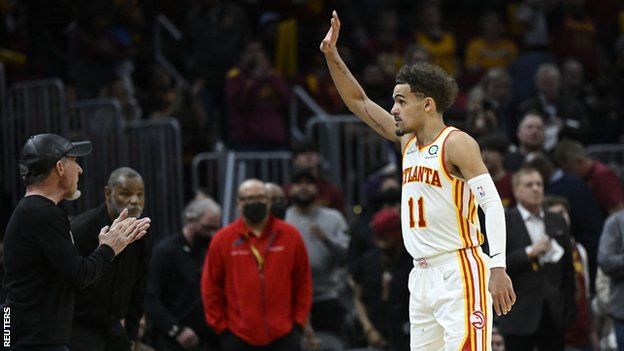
350	90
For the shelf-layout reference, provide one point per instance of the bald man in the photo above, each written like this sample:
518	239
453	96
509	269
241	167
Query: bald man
246	260
278	200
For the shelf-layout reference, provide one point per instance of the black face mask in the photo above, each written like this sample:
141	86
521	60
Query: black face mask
278	209
303	201
255	212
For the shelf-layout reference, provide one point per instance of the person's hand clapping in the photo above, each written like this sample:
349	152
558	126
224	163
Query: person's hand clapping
123	231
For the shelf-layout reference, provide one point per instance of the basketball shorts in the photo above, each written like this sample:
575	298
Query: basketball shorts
450	307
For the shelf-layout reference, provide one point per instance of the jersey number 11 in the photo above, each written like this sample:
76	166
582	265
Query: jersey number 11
421	213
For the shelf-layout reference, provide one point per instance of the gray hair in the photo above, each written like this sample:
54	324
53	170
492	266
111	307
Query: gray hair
122	172
548	69
196	209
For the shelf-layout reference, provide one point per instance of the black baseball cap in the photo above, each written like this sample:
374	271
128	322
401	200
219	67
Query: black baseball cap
42	151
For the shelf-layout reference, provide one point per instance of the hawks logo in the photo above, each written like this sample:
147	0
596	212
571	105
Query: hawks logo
477	319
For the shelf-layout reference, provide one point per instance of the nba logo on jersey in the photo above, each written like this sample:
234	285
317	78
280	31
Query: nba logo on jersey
481	191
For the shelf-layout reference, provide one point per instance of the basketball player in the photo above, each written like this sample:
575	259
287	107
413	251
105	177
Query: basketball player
444	179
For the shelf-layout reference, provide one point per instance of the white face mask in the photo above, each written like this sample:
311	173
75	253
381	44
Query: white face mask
74	196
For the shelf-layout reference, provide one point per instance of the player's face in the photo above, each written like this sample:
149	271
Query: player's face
127	193
529	191
408	109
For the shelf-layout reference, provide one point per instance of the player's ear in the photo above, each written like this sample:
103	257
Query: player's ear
429	104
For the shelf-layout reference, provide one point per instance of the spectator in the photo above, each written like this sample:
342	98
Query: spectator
611	260
107	313
490	49
563	117
173	301
324	232
602	180
278	200
586	219
496	85
493	150
540	266
217	33
481	117
532	14
100	53
379	283
306	156
257	100
498	342
573	33
386	46
246	261
42	267
415	53
580	335
439	43
530	140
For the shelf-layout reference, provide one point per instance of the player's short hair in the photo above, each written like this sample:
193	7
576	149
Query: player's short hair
567	151
430	81
196	209
524	170
122	172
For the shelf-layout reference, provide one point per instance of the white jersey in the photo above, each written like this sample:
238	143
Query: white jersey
438	210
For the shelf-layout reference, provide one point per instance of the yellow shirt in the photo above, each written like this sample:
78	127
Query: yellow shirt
483	55
442	51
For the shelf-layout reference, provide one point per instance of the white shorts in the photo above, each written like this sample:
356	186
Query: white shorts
450	307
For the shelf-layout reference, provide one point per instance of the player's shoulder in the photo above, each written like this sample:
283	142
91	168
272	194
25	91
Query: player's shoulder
458	139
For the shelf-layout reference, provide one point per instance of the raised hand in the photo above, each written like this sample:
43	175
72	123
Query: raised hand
329	43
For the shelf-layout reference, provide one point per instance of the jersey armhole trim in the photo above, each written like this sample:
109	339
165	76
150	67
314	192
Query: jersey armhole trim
443	158
409	142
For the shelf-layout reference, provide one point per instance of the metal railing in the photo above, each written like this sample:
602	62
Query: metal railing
352	151
32	107
266	166
162	23
155	151
101	122
208	173
297	125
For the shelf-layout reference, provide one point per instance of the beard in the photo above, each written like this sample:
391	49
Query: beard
399	132
303	201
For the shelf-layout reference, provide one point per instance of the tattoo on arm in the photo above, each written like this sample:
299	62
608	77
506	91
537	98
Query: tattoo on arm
352	80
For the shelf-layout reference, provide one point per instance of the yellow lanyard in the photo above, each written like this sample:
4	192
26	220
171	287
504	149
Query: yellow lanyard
257	255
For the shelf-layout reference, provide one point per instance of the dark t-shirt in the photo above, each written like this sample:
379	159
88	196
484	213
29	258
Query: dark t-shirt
42	271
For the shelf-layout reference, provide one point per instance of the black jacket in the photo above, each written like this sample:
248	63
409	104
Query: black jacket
118	294
42	271
536	286
173	291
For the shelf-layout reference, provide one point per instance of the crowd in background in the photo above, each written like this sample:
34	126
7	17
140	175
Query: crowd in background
540	81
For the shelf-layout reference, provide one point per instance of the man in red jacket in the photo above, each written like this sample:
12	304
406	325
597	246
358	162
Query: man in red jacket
256	283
